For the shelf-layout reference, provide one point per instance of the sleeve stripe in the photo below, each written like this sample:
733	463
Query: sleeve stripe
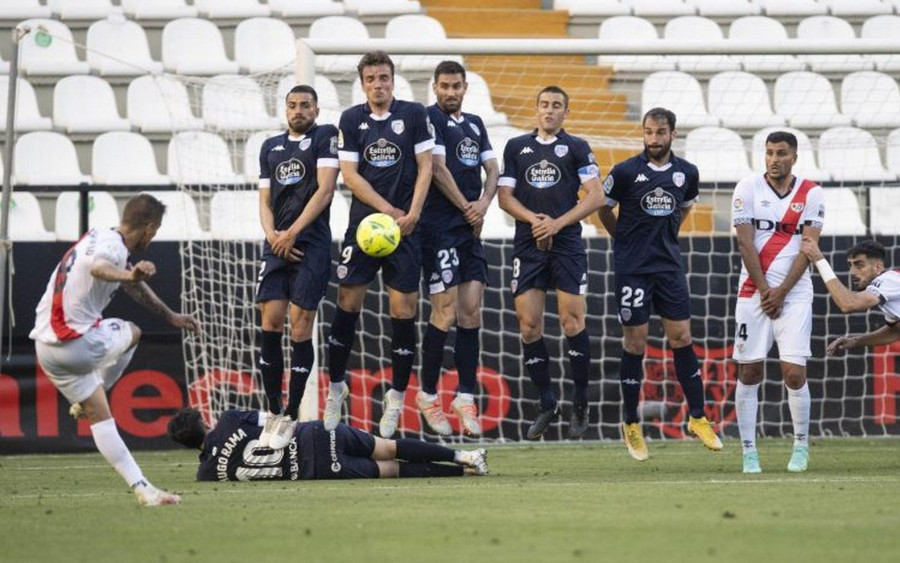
689	202
349	156
424	146
264	183
328	162
507	182
488	155
439	150
610	202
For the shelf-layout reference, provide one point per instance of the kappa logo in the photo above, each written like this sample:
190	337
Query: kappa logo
534	361
263	362
526	150
451	123
435	277
278	148
641	178
575	353
363	126
335	342
403	352
300	369
631	381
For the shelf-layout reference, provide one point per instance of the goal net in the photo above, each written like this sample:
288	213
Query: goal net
842	108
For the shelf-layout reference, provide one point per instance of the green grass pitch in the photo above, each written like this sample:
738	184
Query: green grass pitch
548	503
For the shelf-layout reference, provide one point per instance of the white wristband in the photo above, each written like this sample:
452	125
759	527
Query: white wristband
825	270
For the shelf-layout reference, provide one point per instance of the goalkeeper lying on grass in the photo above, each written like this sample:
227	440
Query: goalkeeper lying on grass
228	452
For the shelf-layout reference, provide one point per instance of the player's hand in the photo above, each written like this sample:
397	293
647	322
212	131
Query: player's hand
143	270
283	244
185	322
476	228
396	213
810	249
476	210
772	301
407	223
544	227
842	343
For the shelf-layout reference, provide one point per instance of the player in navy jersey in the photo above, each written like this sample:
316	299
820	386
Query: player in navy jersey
655	191
230	452
384	146
297	176
454	266
542	174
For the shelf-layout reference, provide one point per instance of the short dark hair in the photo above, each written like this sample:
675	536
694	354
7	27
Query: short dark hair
303	89
660	114
869	249
449	67
553	90
143	210
374	58
782	137
187	428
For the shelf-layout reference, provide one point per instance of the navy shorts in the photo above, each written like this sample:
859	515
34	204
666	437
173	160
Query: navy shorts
564	269
399	270
344	453
666	291
303	283
452	257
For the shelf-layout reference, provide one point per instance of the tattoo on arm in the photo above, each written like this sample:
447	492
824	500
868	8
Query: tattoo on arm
146	298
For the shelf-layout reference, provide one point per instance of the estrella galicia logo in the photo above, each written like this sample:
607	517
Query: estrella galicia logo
290	172
468	152
658	203
382	153
542	175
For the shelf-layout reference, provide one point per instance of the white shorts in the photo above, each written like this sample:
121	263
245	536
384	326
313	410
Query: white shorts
755	332
76	367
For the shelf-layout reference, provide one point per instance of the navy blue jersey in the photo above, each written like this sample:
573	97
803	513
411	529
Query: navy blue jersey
228	452
464	144
651	200
546	176
385	149
287	167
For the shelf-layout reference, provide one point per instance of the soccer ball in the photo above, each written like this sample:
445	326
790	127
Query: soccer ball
378	235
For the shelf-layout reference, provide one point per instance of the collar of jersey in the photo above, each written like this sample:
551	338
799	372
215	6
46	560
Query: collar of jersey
384	117
643	156
774	191
551	140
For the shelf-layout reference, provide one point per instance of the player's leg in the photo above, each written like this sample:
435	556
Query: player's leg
340	345
467	353
753	339
272	294
572	312
417	451
443	316
530	314
793	329
633	297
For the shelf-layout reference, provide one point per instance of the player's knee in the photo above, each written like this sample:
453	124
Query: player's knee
680	340
530	329
794	377
350	300
443	315
300	332
468	318
571	324
750	374
635	343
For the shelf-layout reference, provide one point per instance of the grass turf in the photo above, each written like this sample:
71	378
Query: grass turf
582	502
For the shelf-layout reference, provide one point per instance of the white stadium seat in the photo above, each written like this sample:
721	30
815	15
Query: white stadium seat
639	30
195	46
330	27
251	153
339	215
329	105
180	221
200	157
124	158
102	213
718	153
158	104
679	92
792	7
741	101
25	221
263	44
825	29
893	152
883	206
872	99
4	66
86	104
806	100
28	116
236	9
661	7
883	27
843	8
842	216
125	42
593	7
306	8
56	57
763	29
23	9
730	8
158	9
851	154
232	102
81	9
478	101
806	158
419	28
46	158
234	215
695	28
497	223
402	90
382	7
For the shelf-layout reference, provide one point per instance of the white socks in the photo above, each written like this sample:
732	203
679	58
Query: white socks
110	444
798	403
746	403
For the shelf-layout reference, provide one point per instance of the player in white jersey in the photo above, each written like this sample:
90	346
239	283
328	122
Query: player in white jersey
876	287
770	212
82	353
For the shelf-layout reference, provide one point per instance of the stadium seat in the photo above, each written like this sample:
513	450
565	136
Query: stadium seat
15	10
842	215
125	42
844	8
54	56
4	66
422	29
200	157
339	215
160	104
499	136
124	158
806	100
718	153
195	46
695	28
232	103
741	101
181	221
792	7
630	28
728	8
478	101
234	9
883	206
234	215
86	104
251	153
593	7
306	8
28	116
661	7
872	99
330	27
158	9
102	213
329	105
382	7
892	151
883	27
761	28
81	9
402	90
46	158
825	29
263	44
806	158
851	154
25	221
497	223
679	92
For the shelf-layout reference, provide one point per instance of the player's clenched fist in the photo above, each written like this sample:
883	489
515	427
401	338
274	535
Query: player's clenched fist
143	270
810	249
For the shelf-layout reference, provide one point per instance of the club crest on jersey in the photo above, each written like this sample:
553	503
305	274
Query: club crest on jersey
304	144
678	179
543	175
341	272
468	152
430	127
514	285
738	204
290	172
475	129
561	150
608	183
797	207
382	153
333	145
625	313
658	203
397	126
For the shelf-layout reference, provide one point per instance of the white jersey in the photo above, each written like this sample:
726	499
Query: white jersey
74	299
887	288
778	225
